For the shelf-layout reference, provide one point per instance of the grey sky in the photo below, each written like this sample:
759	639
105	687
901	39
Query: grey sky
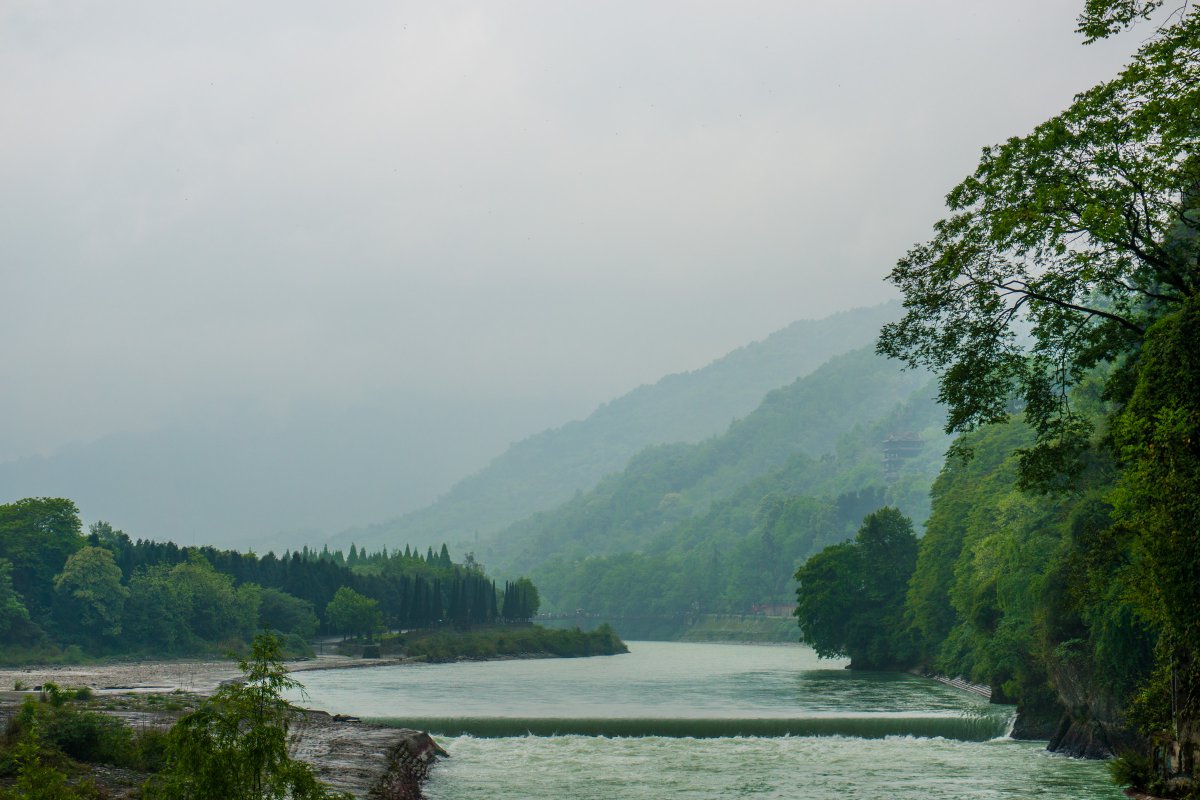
219	206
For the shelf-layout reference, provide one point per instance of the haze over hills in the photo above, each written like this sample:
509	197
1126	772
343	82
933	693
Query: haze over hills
252	480
741	552
543	470
800	425
276	481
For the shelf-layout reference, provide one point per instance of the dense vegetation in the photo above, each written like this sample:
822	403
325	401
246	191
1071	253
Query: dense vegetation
65	594
235	745
851	595
483	644
541	472
232	745
1060	308
47	739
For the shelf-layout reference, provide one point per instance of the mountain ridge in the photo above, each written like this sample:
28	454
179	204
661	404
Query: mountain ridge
543	470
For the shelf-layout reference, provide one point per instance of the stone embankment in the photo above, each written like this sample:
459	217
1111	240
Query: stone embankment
961	683
365	760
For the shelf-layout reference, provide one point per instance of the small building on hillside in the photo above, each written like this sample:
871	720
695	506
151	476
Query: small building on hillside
898	448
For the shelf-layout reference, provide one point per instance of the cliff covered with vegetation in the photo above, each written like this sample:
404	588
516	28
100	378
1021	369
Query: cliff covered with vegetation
1059	305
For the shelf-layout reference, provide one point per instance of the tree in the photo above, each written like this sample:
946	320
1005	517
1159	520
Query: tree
1074	252
209	604
350	612
154	614
1083	232
13	614
282	612
1158	508
235	745
828	599
102	534
37	535
92	597
189	605
850	598
35	780
520	602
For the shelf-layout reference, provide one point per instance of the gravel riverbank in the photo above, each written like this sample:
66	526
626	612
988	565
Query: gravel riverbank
349	755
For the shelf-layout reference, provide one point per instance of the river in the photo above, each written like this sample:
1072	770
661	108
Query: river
703	721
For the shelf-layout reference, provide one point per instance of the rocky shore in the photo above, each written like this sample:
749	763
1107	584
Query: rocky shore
365	760
201	676
351	756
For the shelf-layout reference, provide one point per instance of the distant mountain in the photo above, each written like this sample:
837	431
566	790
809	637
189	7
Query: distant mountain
542	471
664	485
654	574
255	482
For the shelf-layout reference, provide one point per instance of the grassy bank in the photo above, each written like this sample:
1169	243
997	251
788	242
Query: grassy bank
480	644
742	628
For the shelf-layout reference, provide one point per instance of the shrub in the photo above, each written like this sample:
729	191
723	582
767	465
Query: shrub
1131	769
89	736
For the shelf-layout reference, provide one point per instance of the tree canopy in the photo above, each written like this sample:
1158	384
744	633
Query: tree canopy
1063	247
1071	260
850	598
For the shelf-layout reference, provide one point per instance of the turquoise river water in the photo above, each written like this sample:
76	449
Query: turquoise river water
703	721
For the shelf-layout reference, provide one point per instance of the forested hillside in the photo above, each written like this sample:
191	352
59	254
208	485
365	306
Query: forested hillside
741	553
542	471
720	526
1059	306
662	486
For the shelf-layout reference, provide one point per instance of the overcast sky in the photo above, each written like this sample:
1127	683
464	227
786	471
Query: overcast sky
216	206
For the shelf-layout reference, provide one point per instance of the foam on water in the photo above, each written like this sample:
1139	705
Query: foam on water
973	728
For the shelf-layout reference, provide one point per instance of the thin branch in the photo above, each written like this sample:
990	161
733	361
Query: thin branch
1021	287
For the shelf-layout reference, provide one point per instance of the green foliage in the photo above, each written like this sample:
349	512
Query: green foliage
106	594
507	642
850	598
235	745
51	733
1024	593
14	617
1132	769
282	612
34	778
664	487
828	599
37	536
189	606
89	736
1071	263
1084	231
351	613
1158	501
91	597
1102	18
520	602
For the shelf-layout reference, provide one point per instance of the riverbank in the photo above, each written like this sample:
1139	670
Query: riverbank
496	643
348	755
742	628
201	676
